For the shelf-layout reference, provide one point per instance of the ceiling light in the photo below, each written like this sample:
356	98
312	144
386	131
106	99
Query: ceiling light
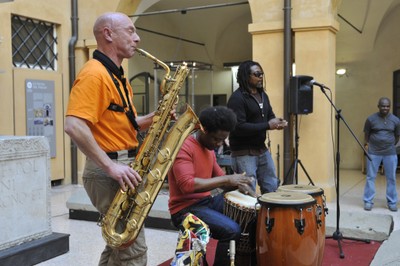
340	71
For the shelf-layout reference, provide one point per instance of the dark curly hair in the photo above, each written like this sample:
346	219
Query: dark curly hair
244	73
218	118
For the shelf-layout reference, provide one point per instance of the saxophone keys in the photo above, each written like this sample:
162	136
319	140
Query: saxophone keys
166	96
154	176
164	155
125	205
143	199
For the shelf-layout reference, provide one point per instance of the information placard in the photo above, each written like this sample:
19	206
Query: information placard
40	111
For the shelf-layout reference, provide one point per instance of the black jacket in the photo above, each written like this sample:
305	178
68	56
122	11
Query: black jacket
252	121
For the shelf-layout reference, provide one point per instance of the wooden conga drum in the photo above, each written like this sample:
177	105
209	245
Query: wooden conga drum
321	209
243	210
286	231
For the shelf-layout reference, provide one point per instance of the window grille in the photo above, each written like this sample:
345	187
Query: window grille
34	43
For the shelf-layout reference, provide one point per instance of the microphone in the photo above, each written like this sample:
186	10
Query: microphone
313	82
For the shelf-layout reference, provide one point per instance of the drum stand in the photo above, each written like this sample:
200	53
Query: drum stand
296	161
337	235
232	252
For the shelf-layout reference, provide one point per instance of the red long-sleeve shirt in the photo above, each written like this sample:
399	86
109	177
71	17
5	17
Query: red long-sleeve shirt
193	160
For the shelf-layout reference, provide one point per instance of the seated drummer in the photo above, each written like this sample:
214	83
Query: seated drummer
195	173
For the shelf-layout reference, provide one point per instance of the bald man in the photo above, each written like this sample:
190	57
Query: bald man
101	120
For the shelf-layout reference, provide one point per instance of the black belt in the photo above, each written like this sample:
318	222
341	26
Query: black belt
114	155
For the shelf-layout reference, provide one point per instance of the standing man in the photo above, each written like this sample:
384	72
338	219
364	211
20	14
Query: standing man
382	131
195	173
254	117
101	121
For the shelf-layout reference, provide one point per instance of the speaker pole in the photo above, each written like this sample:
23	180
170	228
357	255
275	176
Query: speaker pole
300	102
296	160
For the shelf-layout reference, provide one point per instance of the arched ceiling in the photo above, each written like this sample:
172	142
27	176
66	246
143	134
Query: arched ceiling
359	24
207	22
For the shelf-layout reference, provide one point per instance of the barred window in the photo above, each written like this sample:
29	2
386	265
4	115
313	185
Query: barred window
34	43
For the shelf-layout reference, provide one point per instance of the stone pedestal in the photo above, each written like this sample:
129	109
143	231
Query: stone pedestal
80	208
25	200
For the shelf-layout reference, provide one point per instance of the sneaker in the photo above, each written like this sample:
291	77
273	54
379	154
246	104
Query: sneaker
367	206
392	208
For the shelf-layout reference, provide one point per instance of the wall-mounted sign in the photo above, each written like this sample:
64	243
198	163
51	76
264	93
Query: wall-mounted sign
40	111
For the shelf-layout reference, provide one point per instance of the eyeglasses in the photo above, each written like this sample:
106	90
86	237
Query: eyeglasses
258	74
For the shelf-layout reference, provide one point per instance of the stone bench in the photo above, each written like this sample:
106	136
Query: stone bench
81	208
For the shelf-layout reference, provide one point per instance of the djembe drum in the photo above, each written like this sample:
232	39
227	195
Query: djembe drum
320	212
243	210
286	231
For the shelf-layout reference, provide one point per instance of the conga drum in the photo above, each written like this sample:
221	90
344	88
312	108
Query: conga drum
243	210
321	209
286	231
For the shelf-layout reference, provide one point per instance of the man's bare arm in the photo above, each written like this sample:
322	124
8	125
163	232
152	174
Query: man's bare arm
82	136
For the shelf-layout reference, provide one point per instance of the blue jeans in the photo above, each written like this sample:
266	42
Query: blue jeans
261	167
222	228
390	166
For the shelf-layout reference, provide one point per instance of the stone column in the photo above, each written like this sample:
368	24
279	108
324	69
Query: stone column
314	28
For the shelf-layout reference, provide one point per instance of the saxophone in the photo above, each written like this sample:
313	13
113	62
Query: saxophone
128	210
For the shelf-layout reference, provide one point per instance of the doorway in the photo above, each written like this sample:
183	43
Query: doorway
396	93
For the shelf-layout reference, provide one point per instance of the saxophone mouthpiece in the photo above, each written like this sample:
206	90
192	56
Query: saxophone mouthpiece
140	51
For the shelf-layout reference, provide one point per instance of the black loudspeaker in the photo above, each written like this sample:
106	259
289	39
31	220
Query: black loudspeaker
301	95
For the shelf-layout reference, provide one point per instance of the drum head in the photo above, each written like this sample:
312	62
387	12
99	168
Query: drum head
286	198
241	199
308	189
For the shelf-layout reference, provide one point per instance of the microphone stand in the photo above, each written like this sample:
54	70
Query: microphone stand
337	235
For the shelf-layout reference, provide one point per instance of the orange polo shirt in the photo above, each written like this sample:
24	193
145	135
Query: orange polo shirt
91	94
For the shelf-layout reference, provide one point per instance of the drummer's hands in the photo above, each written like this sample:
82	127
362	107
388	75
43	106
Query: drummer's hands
247	190
243	183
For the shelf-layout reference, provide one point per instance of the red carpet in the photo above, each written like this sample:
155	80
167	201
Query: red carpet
356	253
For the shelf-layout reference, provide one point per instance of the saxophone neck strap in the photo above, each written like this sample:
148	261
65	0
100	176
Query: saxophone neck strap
119	73
109	64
